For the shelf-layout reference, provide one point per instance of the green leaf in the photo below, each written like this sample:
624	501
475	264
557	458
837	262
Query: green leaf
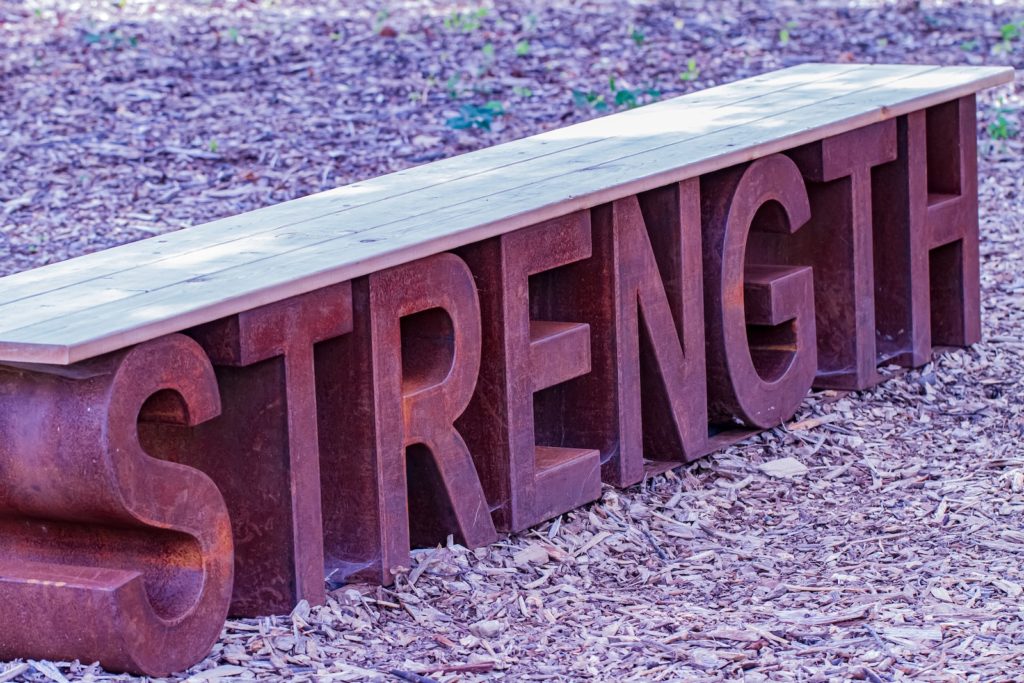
473	116
625	97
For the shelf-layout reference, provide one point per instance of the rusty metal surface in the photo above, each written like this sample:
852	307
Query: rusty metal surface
395	469
642	288
107	553
532	467
759	316
488	389
926	236
263	450
836	242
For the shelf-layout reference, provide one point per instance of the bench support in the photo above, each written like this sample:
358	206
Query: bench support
761	345
837	244
533	463
263	451
108	553
488	387
926	236
396	469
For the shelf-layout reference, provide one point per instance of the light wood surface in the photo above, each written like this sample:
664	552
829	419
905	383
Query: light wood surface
101	302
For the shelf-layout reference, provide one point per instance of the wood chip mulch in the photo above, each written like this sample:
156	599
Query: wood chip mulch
879	536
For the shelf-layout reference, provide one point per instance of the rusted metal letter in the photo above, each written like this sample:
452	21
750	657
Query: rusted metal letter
263	451
649	348
760	317
836	242
526	480
395	470
926	236
108	553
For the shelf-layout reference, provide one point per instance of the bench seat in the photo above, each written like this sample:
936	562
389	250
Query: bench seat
74	310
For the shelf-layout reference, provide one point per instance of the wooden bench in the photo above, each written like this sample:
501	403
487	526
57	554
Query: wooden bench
214	419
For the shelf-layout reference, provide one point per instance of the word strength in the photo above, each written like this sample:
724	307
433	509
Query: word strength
212	421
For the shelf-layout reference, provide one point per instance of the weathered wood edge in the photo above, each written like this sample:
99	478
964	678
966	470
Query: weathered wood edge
65	354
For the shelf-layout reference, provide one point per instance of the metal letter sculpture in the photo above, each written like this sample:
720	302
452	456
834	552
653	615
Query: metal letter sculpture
926	236
488	388
528	482
263	451
837	243
760	316
109	554
396	470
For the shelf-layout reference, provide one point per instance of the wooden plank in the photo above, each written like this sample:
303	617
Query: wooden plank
609	144
90	327
204	258
383	188
200	262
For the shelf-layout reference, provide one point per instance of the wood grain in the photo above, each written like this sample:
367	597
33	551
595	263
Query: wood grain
80	308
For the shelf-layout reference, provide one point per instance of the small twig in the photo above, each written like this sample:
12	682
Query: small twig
883	537
881	643
871	675
654	544
476	667
13	672
48	670
409	676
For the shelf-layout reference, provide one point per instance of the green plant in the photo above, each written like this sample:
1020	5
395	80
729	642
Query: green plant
626	98
969	45
589	100
692	71
522	91
522	48
213	145
451	85
379	19
785	33
476	116
488	58
637	35
620	97
1001	128
1009	32
114	38
630	98
466	22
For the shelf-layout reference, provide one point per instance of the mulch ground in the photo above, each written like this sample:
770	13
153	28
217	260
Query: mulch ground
896	556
